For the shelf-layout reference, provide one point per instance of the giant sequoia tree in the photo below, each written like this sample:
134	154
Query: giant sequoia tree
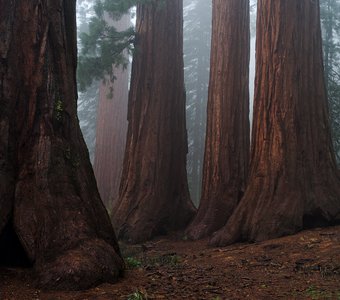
293	181
111	129
227	138
48	195
154	195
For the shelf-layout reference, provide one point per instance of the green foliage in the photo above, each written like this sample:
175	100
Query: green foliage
132	263
171	260
314	293
116	8
58	110
103	46
137	295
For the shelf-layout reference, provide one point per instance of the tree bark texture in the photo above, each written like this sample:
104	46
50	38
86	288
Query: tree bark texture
154	196
293	180
227	136
48	191
111	130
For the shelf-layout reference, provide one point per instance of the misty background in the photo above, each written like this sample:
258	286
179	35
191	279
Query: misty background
197	40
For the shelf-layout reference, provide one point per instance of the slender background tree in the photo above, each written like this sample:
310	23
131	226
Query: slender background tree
111	129
101	52
197	40
330	17
87	97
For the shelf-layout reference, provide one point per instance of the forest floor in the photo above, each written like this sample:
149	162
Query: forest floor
303	266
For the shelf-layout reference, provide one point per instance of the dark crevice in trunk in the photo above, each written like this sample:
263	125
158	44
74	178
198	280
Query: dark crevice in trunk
316	219
12	253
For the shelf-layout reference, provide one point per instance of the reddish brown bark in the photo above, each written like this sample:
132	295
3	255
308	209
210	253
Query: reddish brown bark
154	195
227	139
293	181
48	194
111	131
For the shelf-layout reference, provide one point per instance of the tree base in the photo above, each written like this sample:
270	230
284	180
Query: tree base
262	215
200	231
91	263
141	227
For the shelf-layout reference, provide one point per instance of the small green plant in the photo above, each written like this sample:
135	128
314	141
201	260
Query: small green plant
58	108
171	260
315	293
185	238
137	295
132	263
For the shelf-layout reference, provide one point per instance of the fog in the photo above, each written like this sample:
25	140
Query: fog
197	35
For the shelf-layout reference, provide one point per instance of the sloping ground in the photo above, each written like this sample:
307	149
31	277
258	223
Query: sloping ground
303	266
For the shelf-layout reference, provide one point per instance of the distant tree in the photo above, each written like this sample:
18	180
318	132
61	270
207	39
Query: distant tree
197	39
330	17
111	129
253	9
88	97
101	45
294	183
104	45
154	196
48	194
227	139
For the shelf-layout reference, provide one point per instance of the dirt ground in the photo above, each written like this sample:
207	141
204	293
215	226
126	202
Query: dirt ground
303	266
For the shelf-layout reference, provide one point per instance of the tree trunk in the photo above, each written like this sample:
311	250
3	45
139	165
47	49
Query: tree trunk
227	137
293	181
197	42
111	130
48	194
154	195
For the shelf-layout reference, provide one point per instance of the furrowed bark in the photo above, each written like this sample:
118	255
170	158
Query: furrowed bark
154	196
227	138
294	183
50	193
